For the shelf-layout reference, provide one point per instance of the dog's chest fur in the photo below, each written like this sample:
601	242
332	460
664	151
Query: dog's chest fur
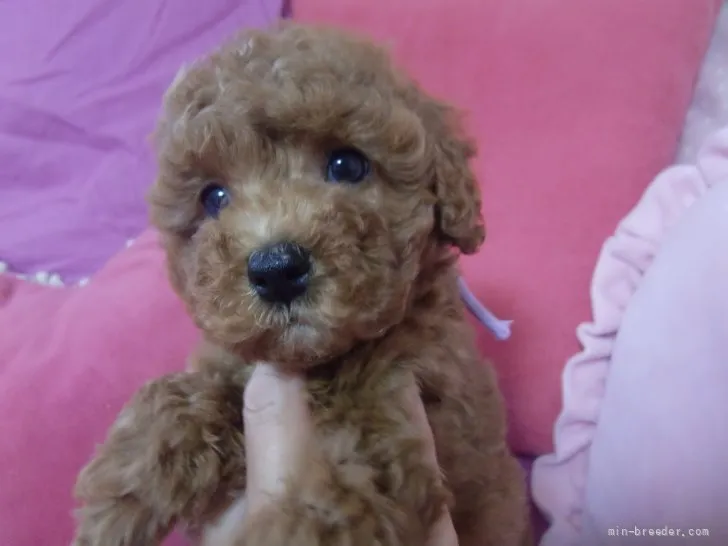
354	398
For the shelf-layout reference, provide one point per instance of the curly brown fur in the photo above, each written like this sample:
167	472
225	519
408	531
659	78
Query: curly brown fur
382	309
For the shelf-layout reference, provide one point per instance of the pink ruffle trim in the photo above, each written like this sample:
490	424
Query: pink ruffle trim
559	478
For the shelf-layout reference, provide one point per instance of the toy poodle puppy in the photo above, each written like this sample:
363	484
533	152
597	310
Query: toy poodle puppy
311	200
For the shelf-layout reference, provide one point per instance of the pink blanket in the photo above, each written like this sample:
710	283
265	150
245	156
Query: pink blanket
80	84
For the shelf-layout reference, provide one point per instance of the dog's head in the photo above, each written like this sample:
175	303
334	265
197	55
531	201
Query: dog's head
301	178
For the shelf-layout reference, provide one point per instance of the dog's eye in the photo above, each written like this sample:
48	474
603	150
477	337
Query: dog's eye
214	198
347	165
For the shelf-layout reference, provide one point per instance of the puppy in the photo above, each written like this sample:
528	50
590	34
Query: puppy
311	200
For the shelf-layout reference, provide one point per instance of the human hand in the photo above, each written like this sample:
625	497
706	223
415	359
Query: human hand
277	427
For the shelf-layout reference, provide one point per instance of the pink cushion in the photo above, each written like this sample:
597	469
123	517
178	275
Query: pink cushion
641	441
70	358
577	105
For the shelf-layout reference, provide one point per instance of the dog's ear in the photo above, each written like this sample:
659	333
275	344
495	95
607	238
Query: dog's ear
458	216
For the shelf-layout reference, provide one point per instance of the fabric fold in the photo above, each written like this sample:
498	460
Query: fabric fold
559	478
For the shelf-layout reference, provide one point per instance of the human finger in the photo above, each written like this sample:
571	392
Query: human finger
277	427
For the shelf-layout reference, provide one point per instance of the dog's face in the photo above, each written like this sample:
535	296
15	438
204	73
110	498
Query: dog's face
301	178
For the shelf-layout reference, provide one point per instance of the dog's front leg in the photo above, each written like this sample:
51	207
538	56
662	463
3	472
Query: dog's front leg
367	480
175	453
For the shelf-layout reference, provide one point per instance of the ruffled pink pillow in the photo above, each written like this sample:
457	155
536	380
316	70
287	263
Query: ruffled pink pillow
641	440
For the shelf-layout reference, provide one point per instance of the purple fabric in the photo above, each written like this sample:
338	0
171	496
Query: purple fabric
80	87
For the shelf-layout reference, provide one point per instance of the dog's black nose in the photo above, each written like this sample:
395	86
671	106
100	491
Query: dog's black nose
279	273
